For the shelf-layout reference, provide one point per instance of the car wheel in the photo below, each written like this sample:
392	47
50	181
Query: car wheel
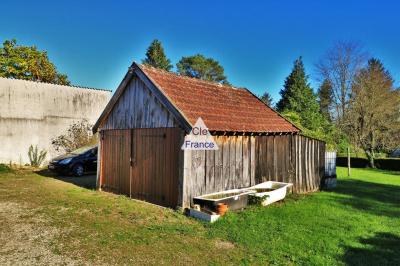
78	170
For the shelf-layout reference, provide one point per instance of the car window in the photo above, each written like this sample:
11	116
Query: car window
92	152
82	150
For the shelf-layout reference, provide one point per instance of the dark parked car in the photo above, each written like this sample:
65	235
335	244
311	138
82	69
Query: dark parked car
395	153
77	163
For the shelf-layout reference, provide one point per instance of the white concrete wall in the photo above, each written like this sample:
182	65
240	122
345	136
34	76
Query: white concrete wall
35	113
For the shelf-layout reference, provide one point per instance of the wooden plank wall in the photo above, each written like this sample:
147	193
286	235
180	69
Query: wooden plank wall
142	164
155	167
243	161
231	166
138	108
115	158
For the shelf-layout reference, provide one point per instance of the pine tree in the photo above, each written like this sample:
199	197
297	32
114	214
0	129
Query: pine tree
155	56
296	81
325	98
266	98
298	97
201	67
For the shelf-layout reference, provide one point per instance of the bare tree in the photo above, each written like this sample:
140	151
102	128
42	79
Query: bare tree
373	118
339	66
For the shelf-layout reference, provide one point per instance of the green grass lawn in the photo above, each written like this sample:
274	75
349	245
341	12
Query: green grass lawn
358	223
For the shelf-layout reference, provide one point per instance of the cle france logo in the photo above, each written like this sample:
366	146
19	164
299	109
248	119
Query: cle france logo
199	138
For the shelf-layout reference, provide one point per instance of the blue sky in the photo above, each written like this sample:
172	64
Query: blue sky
94	42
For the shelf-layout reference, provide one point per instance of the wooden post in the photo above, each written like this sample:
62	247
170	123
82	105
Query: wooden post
348	161
99	162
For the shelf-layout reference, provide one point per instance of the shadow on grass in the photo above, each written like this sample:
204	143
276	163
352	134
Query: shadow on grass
388	172
86	181
381	249
378	199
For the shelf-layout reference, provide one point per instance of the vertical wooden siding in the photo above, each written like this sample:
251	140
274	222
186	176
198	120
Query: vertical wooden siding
138	108
243	161
142	164
115	161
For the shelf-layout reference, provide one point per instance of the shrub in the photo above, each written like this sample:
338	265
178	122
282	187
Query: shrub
36	157
4	168
361	154
392	164
78	134
355	162
388	163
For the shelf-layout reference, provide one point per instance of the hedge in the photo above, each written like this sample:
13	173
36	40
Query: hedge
4	168
384	164
362	155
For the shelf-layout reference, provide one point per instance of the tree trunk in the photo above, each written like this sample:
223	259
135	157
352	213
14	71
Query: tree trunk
348	161
371	159
371	153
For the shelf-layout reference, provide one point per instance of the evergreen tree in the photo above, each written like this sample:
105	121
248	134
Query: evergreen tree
155	56
198	66
298	97
266	98
296	81
325	98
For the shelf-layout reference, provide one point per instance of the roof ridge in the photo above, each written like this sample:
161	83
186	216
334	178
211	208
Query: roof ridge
190	78
44	82
240	111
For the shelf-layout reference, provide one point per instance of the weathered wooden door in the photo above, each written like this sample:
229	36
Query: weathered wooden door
142	164
115	157
154	173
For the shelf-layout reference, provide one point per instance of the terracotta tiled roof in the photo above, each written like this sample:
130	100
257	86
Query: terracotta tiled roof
222	107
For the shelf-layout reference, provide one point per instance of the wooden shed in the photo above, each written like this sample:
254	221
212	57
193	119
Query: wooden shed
143	127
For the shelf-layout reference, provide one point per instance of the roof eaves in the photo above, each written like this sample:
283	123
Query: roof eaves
121	88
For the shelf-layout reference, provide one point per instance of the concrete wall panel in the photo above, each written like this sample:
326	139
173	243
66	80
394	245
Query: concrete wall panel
35	113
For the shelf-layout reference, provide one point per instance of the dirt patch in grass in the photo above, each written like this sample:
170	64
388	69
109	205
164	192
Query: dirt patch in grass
51	221
26	238
220	244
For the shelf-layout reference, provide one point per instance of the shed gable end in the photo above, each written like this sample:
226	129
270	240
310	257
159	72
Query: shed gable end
138	107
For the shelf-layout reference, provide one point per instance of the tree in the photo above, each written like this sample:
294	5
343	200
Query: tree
155	56
296	81
267	99
339	66
298	97
373	118
27	62
78	134
325	98
200	67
